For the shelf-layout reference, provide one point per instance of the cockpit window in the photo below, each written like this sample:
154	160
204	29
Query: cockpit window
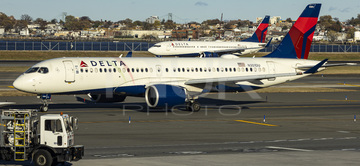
32	70
43	70
157	45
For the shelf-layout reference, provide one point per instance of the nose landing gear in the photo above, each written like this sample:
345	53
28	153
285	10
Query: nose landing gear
44	98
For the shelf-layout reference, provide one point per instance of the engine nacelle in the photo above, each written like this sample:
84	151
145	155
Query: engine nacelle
101	98
162	95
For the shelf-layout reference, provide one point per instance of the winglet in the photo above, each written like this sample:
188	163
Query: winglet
129	54
316	67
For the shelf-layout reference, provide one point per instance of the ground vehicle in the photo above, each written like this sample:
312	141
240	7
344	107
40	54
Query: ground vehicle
45	139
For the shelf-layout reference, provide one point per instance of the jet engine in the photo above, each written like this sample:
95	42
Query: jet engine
162	95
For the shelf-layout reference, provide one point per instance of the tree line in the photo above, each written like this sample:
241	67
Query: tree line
332	25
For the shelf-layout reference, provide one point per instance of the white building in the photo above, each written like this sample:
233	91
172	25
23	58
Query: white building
2	30
152	19
356	36
275	19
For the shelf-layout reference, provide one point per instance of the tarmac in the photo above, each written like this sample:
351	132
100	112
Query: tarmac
317	128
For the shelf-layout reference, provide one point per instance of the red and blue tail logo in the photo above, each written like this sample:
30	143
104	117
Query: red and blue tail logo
260	33
296	44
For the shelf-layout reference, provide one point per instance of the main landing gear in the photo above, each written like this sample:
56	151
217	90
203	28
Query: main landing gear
193	106
44	98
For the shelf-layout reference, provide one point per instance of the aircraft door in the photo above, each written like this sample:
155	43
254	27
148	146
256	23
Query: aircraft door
168	47
69	71
271	67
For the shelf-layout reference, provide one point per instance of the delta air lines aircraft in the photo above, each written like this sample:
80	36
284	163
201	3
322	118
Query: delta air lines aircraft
196	48
167	82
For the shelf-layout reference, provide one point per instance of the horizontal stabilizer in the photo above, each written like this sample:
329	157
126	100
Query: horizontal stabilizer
268	43
316	67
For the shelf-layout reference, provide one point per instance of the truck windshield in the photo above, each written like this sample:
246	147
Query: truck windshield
67	124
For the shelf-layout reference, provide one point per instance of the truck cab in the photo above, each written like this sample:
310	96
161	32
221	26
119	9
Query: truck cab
57	130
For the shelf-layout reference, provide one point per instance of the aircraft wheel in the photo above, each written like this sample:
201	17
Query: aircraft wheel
195	106
44	108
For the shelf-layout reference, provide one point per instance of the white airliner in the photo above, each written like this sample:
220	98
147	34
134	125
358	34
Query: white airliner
168	82
196	48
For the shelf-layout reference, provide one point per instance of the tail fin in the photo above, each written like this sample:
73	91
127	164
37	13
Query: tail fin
260	33
296	44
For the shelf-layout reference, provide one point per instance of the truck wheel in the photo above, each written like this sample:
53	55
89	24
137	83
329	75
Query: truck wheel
43	158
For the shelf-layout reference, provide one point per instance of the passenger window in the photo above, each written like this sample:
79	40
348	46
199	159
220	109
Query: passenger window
114	70
142	70
105	70
166	69
100	70
96	70
81	70
91	70
246	69
146	70
86	70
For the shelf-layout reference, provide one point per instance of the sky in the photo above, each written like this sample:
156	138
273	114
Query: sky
183	11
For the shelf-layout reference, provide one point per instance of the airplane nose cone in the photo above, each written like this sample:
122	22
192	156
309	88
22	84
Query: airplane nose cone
151	50
23	84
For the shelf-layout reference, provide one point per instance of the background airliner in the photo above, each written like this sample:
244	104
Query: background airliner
196	48
168	82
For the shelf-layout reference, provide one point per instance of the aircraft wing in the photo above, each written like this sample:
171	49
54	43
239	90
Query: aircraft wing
237	78
229	51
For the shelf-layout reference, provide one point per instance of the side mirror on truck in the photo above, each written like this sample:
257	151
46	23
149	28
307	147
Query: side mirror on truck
75	123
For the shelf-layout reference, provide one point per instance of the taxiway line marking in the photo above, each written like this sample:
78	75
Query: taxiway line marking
305	106
264	124
348	85
338	100
284	148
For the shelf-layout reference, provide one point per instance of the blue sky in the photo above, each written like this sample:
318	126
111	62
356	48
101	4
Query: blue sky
182	10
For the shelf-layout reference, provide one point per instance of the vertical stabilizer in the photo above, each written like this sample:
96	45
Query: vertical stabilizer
260	33
296	44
